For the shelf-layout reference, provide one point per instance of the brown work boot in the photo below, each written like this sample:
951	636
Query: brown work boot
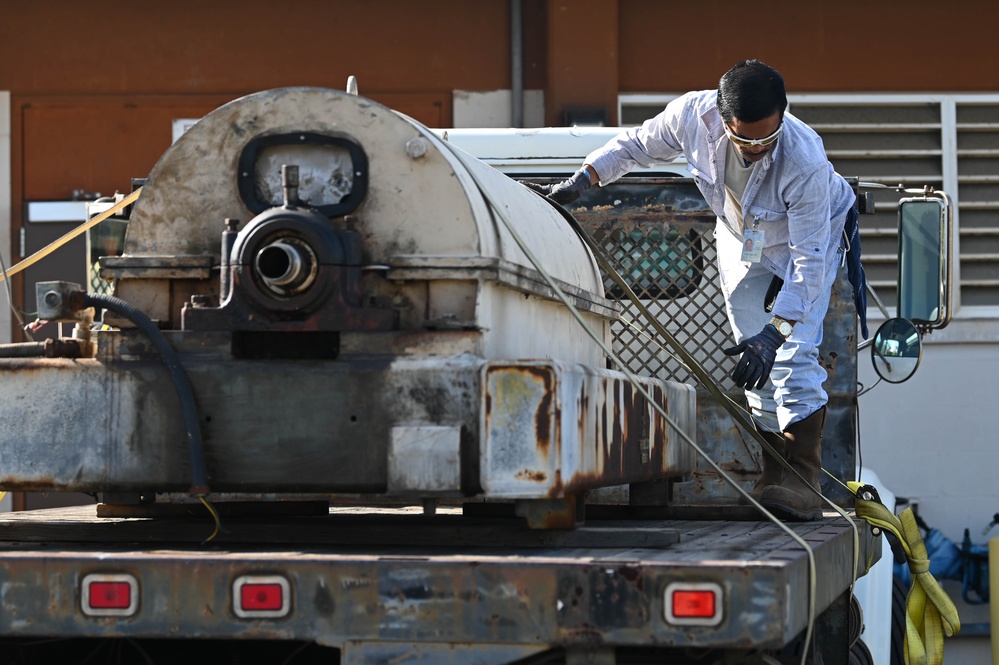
773	470
793	500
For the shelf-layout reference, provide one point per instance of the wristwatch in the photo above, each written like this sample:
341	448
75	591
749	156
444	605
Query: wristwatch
782	326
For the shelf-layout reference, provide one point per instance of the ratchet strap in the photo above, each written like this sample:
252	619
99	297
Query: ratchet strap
929	614
66	237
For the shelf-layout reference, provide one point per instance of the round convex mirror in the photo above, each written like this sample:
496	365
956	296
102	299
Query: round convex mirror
896	350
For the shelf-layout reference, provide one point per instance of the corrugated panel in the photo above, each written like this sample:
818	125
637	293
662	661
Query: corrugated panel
889	143
977	141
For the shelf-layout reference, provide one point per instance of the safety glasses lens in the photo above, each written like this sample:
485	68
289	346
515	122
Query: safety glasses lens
749	143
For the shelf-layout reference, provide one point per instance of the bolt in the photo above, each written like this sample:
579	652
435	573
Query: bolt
417	147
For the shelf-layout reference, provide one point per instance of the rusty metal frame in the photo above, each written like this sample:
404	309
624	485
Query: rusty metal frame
492	595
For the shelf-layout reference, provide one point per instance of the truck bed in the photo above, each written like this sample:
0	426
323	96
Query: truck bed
362	577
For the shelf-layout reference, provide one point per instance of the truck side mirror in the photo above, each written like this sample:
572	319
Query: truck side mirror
896	350
925	261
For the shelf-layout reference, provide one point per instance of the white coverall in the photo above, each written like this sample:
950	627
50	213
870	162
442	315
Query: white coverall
800	203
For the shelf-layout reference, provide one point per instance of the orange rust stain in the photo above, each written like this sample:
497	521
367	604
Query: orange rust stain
543	416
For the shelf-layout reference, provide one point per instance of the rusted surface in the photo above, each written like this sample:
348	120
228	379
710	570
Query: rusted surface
110	426
598	430
418	594
545	417
566	428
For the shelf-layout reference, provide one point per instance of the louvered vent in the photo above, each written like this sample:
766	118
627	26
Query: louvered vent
886	143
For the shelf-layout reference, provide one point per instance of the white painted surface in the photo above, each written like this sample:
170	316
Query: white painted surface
493	108
874	590
933	441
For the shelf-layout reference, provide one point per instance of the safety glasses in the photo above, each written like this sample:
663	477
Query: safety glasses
749	143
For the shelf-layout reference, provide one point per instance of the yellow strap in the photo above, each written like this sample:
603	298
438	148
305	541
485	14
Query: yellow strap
930	613
66	237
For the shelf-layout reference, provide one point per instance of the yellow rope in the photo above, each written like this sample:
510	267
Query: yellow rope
929	614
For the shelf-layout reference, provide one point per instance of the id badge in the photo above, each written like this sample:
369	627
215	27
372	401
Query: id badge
752	245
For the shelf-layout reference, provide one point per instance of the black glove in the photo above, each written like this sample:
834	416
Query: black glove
569	190
758	354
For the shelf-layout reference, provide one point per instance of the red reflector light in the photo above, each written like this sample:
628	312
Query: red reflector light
693	604
261	596
109	595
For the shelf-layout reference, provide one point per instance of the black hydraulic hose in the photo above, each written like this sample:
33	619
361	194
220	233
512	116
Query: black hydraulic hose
50	348
199	482
22	350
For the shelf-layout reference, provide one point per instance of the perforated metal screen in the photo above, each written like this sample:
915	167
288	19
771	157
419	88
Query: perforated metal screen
663	244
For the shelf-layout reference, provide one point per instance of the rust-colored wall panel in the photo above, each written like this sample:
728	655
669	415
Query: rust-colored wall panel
535	43
582	58
432	109
95	144
190	46
844	46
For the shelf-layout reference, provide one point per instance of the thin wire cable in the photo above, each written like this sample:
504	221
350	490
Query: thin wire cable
215	516
867	390
641	389
734	409
53	246
10	299
735	405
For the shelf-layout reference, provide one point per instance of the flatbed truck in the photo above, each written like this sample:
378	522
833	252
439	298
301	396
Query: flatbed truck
363	428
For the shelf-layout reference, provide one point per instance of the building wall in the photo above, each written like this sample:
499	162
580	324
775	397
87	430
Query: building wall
90	89
843	46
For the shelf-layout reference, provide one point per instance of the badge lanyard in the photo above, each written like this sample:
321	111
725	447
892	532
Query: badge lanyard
752	242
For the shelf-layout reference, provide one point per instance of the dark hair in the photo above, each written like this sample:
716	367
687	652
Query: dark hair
751	91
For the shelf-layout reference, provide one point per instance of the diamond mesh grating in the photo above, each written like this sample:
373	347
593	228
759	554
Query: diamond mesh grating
671	267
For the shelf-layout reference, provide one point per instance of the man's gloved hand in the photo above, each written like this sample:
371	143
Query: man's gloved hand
758	354
569	190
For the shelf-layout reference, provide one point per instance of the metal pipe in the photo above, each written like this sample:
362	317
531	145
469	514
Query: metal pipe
50	348
516	64
280	264
23	350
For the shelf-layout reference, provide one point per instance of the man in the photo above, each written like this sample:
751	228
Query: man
781	213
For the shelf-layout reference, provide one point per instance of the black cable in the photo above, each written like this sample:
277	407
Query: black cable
22	350
181	382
